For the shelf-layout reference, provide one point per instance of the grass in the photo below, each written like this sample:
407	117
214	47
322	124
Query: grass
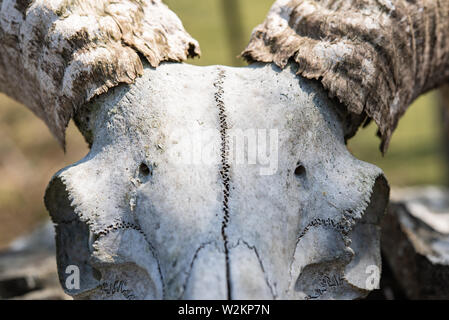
205	22
29	155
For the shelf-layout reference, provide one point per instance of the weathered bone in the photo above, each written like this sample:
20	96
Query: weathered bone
144	217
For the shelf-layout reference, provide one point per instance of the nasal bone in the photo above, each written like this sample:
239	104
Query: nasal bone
239	275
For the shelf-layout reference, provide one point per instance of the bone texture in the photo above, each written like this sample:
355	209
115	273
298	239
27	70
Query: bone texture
374	56
162	207
55	54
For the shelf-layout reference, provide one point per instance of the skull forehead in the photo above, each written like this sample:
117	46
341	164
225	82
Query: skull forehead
170	122
261	97
144	169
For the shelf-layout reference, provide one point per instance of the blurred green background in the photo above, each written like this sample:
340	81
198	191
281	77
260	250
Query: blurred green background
29	155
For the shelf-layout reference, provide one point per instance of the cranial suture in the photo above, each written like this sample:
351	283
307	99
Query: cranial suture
218	182
154	224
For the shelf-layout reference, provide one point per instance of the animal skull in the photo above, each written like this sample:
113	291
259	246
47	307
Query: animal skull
217	183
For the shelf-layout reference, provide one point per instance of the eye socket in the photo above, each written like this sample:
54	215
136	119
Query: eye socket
300	170
144	169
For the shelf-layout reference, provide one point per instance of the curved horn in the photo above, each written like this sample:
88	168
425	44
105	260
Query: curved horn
56	55
375	56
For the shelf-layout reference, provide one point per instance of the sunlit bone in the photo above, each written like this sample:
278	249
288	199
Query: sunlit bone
143	218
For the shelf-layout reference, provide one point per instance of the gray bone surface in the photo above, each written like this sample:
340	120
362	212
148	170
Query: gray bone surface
164	206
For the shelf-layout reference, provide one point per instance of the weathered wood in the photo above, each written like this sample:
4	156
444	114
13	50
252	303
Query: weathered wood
28	267
56	55
415	242
375	56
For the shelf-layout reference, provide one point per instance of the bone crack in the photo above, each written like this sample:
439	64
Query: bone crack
225	166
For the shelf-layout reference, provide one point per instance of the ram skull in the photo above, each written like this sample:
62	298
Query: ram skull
215	183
